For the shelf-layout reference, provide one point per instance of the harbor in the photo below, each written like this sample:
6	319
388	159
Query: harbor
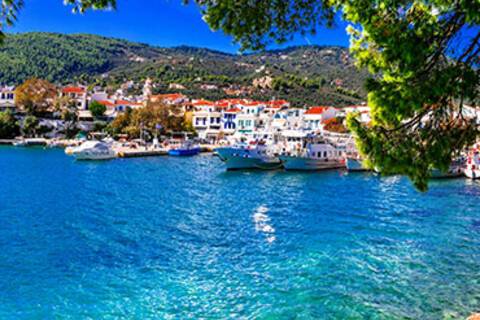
308	153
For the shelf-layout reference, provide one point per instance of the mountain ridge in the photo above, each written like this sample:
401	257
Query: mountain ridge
302	74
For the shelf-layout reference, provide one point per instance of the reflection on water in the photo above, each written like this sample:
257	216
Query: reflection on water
262	223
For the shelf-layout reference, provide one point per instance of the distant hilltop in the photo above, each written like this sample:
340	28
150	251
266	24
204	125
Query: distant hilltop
302	74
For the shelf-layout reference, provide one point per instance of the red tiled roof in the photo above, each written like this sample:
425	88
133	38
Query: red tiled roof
203	103
174	96
276	104
73	90
106	103
250	103
222	104
233	110
127	103
316	110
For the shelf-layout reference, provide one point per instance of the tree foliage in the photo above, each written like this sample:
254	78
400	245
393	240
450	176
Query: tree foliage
305	74
67	108
9	127
97	109
30	125
423	57
35	95
134	121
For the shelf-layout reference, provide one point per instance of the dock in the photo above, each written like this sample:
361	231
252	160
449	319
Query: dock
7	142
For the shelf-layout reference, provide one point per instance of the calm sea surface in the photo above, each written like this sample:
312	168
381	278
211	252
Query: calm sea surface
181	238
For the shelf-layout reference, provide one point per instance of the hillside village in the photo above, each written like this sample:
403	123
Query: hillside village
208	120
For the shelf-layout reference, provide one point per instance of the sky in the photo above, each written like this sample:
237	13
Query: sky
163	23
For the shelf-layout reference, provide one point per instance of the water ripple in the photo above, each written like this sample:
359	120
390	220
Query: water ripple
181	238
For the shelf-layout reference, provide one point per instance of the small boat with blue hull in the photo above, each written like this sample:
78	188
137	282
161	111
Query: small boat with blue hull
187	149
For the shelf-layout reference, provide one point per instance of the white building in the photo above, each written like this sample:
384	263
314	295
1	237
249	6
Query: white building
248	120
207	119
314	117
7	98
78	95
295	118
363	110
170	98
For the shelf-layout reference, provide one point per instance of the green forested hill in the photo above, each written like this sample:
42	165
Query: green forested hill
304	75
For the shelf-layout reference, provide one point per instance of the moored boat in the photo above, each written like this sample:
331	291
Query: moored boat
248	157
185	150
92	150
355	164
454	171
316	156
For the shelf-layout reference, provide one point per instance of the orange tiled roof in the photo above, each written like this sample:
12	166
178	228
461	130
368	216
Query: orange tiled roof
233	110
316	110
106	103
203	103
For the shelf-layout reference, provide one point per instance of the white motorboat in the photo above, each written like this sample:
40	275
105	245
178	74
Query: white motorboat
317	155
93	150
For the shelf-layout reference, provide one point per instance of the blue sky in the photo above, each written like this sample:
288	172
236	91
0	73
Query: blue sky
157	22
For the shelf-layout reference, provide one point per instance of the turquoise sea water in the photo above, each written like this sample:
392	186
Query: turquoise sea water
180	238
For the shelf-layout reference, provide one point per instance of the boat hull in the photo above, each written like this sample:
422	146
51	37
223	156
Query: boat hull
236	162
472	173
309	164
354	165
184	152
97	156
453	172
227	152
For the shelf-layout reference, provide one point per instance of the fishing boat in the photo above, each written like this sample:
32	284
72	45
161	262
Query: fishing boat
258	156
317	155
186	149
92	150
472	168
223	153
